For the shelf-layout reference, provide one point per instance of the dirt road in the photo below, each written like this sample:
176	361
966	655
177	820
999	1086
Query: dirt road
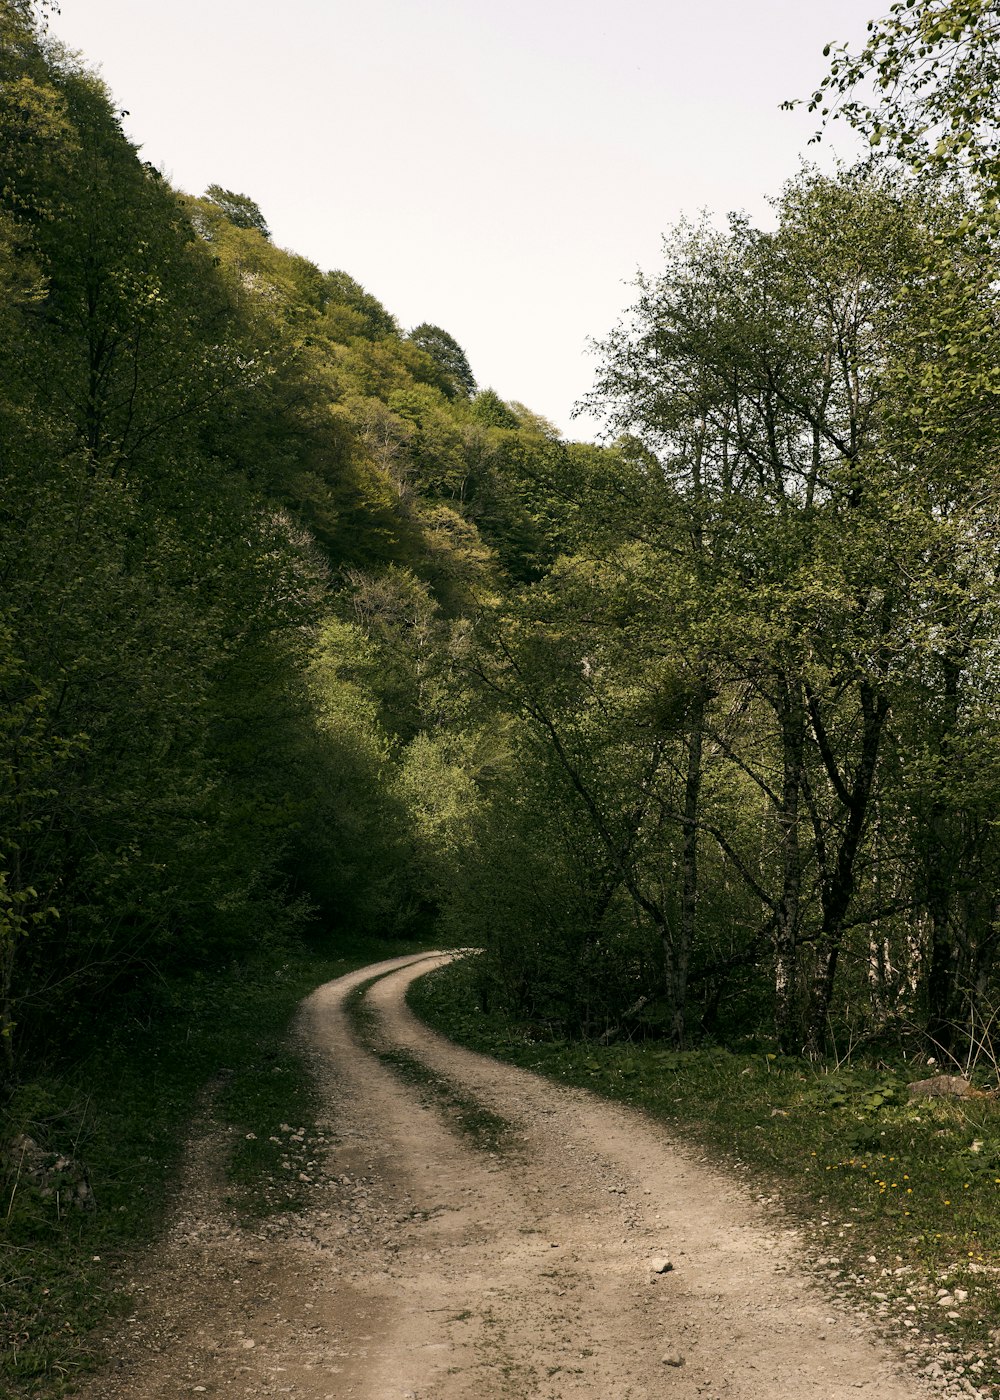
435	1267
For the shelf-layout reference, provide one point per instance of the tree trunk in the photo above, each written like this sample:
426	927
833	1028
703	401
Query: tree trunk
941	853
837	886
786	929
679	958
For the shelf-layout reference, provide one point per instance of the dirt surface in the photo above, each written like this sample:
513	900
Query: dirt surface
430	1267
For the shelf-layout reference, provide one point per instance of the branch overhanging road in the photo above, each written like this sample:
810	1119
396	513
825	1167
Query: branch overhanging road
444	1263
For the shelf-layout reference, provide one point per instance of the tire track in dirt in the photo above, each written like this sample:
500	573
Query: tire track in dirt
429	1268
609	1188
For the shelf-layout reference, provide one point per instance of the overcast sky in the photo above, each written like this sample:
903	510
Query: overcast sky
500	169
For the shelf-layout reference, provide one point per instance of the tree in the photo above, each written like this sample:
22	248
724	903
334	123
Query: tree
769	378
448	355
154	607
374	321
239	209
935	67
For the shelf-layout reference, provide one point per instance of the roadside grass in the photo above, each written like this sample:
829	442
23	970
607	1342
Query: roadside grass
123	1110
896	1200
487	1131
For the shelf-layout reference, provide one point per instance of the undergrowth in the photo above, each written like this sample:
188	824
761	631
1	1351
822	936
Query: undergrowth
899	1198
122	1111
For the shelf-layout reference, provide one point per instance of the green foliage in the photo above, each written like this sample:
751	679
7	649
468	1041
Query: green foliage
245	522
449	357
353	853
780	419
698	728
489	408
935	69
239	209
341	291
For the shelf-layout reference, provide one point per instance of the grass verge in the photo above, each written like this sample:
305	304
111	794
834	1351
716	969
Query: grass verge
122	1112
899	1199
487	1131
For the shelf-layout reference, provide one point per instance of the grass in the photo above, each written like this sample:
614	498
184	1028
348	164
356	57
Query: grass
124	1110
899	1198
487	1131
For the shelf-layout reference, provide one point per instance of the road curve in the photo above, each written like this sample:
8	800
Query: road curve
434	1267
530	1275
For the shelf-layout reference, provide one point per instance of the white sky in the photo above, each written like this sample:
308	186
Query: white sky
498	167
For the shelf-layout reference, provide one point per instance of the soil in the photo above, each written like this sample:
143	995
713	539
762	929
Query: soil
428	1266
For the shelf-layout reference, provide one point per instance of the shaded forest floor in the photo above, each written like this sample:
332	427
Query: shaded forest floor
120	1110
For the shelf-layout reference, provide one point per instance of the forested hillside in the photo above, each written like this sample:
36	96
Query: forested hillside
247	522
300	630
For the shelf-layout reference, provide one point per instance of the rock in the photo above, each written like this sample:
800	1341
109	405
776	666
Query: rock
660	1265
52	1174
673	1358
950	1086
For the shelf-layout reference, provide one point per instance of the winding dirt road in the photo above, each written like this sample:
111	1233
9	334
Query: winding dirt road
431	1268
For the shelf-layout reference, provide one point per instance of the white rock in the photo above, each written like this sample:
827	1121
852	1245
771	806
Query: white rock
660	1264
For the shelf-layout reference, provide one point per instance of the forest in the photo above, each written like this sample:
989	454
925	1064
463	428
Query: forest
303	633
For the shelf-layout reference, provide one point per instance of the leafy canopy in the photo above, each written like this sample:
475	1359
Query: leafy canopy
239	209
924	88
